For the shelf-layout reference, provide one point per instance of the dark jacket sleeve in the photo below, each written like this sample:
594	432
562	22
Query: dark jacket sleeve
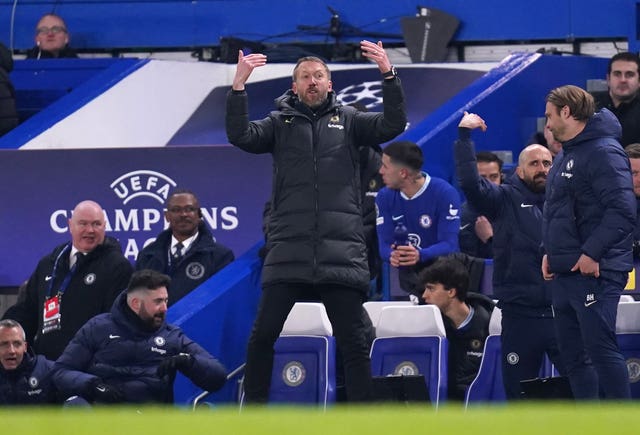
121	276
613	188
252	136
375	128
483	196
26	309
206	371
69	371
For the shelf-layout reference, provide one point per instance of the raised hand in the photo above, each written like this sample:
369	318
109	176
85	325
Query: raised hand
472	121
245	67
376	53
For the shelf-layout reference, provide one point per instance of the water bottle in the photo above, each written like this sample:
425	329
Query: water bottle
400	232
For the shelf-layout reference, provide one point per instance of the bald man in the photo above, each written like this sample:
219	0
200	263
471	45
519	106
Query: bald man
75	282
515	210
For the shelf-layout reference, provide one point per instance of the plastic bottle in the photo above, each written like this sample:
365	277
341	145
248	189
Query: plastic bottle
400	232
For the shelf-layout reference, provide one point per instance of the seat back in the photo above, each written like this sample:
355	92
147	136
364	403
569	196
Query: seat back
487	385
374	308
411	340
628	335
304	359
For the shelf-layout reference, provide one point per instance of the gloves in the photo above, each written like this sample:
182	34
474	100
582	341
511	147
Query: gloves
101	392
181	362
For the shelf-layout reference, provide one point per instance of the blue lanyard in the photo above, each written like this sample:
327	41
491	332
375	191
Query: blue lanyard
67	279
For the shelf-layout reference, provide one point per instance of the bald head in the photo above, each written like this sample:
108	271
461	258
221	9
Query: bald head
87	226
533	166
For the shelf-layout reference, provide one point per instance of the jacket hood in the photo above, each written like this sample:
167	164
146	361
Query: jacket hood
602	124
123	315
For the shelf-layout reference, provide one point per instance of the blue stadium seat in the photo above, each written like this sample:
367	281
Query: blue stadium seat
487	386
628	334
411	340
305	358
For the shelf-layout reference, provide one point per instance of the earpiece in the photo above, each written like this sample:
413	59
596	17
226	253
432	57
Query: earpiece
38	43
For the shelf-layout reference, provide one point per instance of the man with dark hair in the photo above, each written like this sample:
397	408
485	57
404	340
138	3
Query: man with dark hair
622	98
25	379
186	251
633	152
77	281
466	318
515	209
427	206
476	232
316	247
587	230
131	354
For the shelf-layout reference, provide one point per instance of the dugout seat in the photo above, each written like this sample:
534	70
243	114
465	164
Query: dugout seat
304	363
374	308
628	335
411	340
488	386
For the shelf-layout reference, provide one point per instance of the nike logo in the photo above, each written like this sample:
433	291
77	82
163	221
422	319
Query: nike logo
588	304
464	226
47	278
113	336
395	218
523	205
101	389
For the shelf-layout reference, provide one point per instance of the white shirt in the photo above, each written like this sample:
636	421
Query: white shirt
185	244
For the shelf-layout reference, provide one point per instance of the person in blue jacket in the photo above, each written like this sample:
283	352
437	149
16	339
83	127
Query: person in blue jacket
131	354
186	251
25	379
587	230
429	208
515	210
633	152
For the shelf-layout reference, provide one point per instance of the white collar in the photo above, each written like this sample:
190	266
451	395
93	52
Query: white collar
427	180
185	243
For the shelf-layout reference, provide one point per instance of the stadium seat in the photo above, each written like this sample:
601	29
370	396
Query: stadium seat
626	298
304	360
411	340
374	308
628	334
487	386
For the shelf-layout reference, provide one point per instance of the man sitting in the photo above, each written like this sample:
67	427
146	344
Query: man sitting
466	319
131	354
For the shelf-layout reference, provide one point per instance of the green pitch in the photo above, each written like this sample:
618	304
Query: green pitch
614	419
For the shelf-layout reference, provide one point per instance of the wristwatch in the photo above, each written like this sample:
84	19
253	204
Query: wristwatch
391	73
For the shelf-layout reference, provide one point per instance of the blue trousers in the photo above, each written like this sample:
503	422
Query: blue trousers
344	308
525	341
585	317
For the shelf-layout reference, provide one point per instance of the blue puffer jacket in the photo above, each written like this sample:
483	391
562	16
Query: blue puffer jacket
117	348
29	384
590	207
516	215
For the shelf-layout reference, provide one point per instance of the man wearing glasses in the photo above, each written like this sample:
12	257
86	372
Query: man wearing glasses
75	282
186	251
52	39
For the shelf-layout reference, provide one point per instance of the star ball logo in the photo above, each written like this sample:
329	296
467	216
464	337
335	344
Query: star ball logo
137	227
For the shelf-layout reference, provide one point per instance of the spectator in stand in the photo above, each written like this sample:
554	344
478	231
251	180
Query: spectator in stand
427	206
466	318
130	355
52	39
8	111
476	232
186	251
515	209
78	280
622	97
546	139
25	379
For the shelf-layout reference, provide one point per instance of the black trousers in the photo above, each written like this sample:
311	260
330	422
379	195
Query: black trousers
344	308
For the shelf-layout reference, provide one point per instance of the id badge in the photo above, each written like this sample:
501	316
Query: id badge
51	314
